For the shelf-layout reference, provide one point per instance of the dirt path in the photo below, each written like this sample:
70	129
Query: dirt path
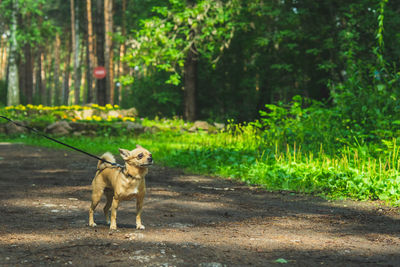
190	221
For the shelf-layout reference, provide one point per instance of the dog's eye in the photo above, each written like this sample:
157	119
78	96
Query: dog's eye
140	156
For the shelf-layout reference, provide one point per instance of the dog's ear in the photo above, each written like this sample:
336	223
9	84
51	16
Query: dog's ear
125	154
139	146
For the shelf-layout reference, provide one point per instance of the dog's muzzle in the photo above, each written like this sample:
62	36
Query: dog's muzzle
149	162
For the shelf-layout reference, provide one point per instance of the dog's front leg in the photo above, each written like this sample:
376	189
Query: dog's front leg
114	207
139	208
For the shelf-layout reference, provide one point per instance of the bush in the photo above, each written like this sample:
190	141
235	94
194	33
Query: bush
303	122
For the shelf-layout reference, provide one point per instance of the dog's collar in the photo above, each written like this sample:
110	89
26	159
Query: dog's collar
125	172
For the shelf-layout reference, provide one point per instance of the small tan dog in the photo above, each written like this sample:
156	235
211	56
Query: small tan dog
121	183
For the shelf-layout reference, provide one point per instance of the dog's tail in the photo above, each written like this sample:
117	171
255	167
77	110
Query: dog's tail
106	156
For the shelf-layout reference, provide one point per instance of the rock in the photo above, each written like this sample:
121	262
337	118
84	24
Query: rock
200	125
59	128
134	127
77	134
114	113
82	126
86	113
12	128
132	112
203	125
219	126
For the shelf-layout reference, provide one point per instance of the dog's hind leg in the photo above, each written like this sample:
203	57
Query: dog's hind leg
114	207
109	194
96	196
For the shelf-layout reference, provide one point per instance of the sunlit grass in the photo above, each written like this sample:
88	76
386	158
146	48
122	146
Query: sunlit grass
242	154
256	153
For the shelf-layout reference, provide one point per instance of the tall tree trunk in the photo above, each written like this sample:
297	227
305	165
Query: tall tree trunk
57	88
101	83
26	75
190	84
29	71
22	79
90	53
108	49
38	81
50	78
3	57
34	76
67	74
42	76
40	73
75	49
13	87
82	94
122	51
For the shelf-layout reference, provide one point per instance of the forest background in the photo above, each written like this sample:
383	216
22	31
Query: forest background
222	59
317	81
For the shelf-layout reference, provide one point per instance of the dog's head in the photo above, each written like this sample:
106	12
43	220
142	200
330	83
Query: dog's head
139	157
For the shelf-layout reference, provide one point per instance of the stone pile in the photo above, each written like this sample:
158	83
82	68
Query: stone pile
62	128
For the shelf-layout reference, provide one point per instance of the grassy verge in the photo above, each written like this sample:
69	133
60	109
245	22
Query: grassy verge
246	156
312	150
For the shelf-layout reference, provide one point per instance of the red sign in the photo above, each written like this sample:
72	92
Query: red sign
99	72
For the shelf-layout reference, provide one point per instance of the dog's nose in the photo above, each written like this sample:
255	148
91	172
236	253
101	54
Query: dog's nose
150	159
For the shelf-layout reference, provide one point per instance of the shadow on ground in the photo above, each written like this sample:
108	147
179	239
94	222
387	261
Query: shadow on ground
190	220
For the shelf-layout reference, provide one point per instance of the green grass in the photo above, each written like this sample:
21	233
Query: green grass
245	155
310	150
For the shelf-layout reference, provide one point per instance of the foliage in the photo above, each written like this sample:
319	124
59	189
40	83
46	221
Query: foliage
368	98
303	122
249	53
38	26
164	40
289	148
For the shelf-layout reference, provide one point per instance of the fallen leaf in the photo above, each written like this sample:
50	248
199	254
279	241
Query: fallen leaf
281	260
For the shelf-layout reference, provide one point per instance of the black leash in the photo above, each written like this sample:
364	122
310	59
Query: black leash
61	143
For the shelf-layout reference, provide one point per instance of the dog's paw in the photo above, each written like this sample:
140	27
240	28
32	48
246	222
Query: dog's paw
140	227
113	227
92	224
